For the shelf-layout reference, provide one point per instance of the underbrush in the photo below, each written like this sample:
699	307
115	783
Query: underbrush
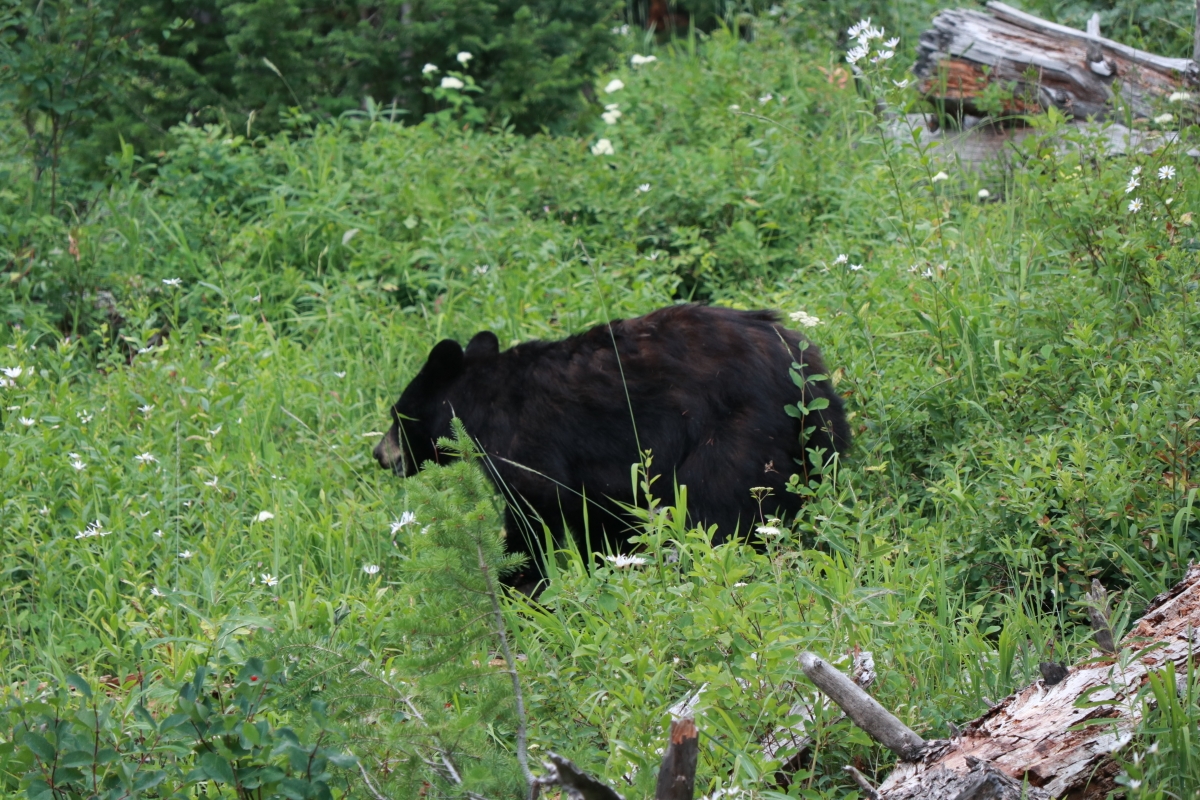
198	362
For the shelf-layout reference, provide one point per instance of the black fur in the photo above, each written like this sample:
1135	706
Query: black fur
707	388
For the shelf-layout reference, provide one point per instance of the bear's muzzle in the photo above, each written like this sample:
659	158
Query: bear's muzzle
390	454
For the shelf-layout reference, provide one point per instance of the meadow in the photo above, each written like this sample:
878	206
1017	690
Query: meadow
199	357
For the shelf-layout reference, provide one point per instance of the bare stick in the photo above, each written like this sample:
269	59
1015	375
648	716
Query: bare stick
863	709
677	775
1196	35
577	783
862	782
1098	615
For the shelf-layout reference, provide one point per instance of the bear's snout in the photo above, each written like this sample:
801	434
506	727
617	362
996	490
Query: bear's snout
389	454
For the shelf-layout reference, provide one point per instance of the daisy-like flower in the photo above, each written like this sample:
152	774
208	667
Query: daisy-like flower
642	189
269	580
186	554
157	534
28	422
637	60
44	510
858	28
84	417
12	372
1133	184
1135	171
615	85
146	409
766	98
450	82
890	44
174	283
145	458
603	147
855	267
941	176
216	430
928	273
1166	173
154	592
883	55
768	530
78	464
857	53
482	269
1135	205
428	68
263	516
212	483
621	561
463	57
841	259
901	84
340	374
406	519
371	569
804	319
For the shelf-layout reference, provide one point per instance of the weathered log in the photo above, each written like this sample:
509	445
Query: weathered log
1044	64
865	710
677	775
574	782
1042	739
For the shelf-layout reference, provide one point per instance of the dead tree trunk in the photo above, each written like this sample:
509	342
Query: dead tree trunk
1042	63
1041	743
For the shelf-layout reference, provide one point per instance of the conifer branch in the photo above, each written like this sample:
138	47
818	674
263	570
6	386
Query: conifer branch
502	634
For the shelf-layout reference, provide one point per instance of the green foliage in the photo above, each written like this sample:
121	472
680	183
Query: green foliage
243	309
150	736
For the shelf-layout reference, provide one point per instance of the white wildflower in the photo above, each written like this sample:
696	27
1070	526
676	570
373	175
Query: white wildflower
890	44
739	585
216	430
766	98
941	176
154	592
78	465
883	55
146	409
804	319
1133	184
928	273
28	422
428	68
768	530
13	372
263	516
407	518
615	85
450	82
463	57
186	554
620	30
901	84
1179	97
1164	119
855	267
1135	171
611	116
84	417
212	483
621	561
371	569
268	579
44	510
145	458
1135	205
857	53
841	259
637	60
172	282
604	147
642	189
157	534
482	269
856	30
984	194
735	107
1166	173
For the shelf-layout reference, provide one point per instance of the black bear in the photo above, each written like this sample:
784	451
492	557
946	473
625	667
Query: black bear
703	389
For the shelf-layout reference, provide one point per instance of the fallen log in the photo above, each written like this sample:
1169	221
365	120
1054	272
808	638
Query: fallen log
1037	64
1053	741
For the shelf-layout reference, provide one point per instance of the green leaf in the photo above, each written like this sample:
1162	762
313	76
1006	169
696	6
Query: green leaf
80	685
38	745
218	769
76	758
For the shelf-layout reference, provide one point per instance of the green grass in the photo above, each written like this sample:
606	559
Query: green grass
1024	418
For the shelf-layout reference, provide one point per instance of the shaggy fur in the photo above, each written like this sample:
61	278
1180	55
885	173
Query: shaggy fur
703	389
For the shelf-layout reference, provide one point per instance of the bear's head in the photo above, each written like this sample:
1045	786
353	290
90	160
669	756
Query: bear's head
422	414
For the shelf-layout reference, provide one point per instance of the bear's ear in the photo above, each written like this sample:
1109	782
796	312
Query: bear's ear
483	345
445	360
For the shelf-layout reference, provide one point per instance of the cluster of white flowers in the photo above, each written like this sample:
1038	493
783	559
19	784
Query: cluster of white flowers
615	85
93	529
84	417
621	561
612	113
1164	119
450	82
638	61
406	519
428	68
865	35
620	30
263	516
1179	97
768	530
463	57
804	319
603	147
